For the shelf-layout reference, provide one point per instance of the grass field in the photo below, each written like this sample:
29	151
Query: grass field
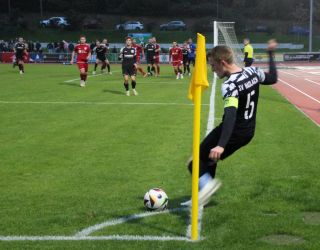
73	157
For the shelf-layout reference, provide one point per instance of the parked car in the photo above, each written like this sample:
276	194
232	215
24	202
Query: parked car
130	25
60	22
173	25
298	30
91	24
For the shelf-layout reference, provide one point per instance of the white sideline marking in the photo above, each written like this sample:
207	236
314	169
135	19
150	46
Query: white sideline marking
312	81
94	238
312	98
78	79
89	230
102	103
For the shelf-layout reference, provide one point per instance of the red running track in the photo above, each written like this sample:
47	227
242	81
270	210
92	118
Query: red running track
302	88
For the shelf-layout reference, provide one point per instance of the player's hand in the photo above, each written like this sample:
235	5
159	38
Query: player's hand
272	45
215	153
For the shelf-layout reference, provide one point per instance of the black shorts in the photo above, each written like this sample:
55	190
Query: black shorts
211	141
129	70
150	60
102	58
185	60
19	57
248	62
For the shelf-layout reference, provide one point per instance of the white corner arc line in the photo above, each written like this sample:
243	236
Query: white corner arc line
94	238
310	97
89	230
312	81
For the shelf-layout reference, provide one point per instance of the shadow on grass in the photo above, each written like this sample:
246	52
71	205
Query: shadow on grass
115	92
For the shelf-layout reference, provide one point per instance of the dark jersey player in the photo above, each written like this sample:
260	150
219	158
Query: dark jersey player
150	51
128	54
100	49
240	93
20	53
185	54
106	44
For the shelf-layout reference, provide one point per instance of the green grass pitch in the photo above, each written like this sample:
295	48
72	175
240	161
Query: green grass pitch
73	157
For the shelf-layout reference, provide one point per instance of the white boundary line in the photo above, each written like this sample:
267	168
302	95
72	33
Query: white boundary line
310	97
78	79
95	238
100	103
312	81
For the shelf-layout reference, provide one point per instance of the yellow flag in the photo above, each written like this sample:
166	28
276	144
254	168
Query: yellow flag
200	74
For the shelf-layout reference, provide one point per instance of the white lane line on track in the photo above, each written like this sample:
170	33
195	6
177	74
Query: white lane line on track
312	81
288	73
296	89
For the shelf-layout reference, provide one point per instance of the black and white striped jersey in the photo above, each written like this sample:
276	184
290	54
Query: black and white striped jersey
244	86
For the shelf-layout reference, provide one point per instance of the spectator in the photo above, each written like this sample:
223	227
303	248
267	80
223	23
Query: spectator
38	46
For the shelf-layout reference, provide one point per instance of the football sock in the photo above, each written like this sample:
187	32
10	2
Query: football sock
133	84
188	68
149	69
184	69
22	68
180	71
95	66
204	179
158	69
126	85
108	66
176	71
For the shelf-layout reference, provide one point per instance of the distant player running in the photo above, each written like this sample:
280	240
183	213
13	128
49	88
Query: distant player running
140	53
192	52
83	55
150	50
128	55
185	54
20	53
156	56
176	57
240	93
100	51
106	44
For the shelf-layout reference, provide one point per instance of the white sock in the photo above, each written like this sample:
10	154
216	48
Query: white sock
204	179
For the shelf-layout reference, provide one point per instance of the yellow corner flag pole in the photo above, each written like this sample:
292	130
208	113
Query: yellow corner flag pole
198	83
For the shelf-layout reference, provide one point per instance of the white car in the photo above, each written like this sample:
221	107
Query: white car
130	25
55	22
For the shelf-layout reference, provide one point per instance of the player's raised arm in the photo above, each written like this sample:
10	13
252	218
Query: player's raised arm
272	76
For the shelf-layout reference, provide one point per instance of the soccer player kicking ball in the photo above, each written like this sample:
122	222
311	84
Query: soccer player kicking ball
176	57
128	54
240	92
83	55
20	52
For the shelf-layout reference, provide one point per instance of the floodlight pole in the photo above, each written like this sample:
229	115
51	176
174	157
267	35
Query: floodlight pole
41	8
310	25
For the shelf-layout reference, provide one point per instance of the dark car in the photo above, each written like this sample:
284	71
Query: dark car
173	25
298	30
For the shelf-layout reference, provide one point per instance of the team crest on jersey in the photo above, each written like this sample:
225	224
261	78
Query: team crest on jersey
132	51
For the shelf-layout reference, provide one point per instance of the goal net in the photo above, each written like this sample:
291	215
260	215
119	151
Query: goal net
224	34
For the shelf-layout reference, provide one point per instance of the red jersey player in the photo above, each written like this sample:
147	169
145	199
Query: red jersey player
83	52
157	56
176	58
139	51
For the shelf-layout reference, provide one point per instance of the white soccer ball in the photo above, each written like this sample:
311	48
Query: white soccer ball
156	199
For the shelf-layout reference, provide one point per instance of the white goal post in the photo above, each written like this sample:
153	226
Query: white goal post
224	34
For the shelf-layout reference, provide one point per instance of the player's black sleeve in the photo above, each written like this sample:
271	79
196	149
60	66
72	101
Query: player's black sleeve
230	115
272	76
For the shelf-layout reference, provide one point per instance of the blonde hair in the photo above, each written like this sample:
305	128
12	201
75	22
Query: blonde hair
222	53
